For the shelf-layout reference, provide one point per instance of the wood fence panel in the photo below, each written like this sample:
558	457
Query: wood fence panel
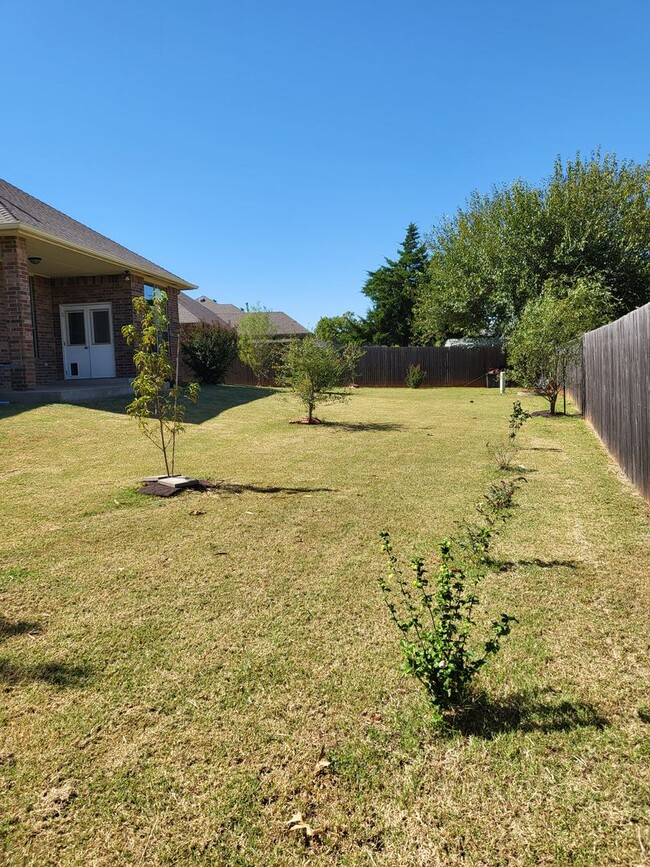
387	366
615	395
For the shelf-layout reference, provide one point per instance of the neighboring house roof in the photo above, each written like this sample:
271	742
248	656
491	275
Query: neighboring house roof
23	213
284	325
227	312
190	312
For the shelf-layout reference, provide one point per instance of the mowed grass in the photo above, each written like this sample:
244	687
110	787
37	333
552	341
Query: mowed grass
174	670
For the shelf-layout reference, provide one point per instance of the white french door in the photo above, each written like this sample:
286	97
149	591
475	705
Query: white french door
88	343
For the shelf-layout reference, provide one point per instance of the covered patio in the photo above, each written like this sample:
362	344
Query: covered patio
65	293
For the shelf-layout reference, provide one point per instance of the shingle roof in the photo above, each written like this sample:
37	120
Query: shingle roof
284	325
17	206
191	312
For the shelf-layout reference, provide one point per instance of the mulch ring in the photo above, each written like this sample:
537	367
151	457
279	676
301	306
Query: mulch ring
155	489
305	420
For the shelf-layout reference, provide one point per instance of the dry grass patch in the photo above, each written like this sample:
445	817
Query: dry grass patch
171	681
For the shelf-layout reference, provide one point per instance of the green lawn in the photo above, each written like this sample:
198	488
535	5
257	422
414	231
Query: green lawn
173	670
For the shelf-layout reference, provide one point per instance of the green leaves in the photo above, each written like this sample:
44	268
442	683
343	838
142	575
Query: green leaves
158	407
316	371
209	350
590	219
435	616
392	290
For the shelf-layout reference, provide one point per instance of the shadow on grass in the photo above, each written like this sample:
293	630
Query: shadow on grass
529	711
543	449
213	400
506	565
545	413
59	674
19	627
236	488
355	427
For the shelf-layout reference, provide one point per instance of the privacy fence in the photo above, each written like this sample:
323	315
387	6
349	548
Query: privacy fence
388	366
612	389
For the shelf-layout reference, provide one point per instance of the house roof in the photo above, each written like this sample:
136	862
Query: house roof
20	212
191	312
284	325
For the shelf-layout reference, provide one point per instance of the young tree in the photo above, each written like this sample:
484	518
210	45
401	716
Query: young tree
315	372
392	290
590	219
256	346
546	340
158	408
209	350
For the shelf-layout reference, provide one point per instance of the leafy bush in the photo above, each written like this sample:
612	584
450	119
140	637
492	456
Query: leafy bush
436	616
415	376
209	350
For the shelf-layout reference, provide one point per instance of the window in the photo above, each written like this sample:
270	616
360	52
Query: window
151	292
101	327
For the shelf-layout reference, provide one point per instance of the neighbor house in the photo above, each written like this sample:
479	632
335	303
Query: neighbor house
284	326
65	293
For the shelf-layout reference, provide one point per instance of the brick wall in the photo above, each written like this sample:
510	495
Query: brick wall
120	293
46	360
111	289
26	362
17	367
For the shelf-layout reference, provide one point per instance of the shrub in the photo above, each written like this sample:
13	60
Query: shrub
436	616
209	350
415	376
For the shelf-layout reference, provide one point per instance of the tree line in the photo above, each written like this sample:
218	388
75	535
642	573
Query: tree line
581	238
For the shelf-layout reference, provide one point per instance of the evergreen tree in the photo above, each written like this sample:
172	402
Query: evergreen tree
392	290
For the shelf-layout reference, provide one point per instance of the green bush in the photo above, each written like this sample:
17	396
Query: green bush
415	376
436	616
209	350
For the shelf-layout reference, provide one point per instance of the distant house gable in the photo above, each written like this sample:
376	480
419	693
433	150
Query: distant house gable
190	312
284	325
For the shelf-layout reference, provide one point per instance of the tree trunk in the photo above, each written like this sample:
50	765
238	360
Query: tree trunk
553	400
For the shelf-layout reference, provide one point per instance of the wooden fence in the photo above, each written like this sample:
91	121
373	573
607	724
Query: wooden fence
388	366
612	389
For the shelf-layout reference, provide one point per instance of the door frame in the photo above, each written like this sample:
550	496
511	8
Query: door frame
87	308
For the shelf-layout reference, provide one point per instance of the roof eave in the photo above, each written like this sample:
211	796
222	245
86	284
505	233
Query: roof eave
30	231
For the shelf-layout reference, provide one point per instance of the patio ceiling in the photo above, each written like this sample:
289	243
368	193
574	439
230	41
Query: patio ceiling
61	260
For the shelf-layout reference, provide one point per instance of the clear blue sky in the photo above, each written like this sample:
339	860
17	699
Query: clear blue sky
273	152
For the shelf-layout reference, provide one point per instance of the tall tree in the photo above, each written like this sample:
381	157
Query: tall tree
590	219
392	289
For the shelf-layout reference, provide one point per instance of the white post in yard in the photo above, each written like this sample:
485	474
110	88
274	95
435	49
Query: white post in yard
502	382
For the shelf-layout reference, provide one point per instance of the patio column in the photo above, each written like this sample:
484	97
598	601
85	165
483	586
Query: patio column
17	313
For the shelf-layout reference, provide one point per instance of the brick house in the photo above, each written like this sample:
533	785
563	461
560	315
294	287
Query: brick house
65	293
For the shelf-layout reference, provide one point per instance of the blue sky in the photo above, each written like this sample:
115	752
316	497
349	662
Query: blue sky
275	152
